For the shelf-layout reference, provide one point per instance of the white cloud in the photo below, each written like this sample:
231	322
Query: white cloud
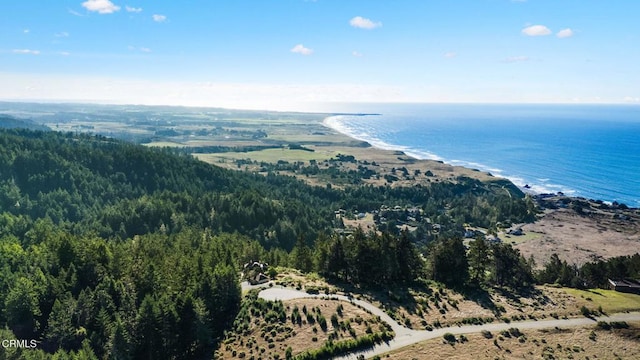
631	99
159	18
26	31
73	12
62	34
356	54
513	59
100	6
26	51
536	30
300	49
132	9
565	33
64	53
363	23
450	55
144	49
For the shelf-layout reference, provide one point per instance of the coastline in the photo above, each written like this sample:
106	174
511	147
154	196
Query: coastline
333	123
531	184
576	236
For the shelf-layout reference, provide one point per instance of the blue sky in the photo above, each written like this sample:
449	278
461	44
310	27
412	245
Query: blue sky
294	54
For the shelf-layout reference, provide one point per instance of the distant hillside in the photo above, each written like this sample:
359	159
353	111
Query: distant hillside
117	189
8	122
120	190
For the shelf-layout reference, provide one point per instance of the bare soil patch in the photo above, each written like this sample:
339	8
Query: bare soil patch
441	307
573	343
580	238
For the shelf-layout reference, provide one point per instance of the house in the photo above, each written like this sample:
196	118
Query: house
259	279
517	232
469	233
254	271
625	285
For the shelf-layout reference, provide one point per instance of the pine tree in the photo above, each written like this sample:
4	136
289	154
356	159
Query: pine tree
148	331
449	262
479	260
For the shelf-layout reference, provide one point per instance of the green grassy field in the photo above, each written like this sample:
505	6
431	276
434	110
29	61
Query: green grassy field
268	155
164	144
513	239
611	301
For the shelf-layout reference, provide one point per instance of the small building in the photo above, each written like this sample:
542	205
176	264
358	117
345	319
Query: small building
517	231
469	233
625	285
254	272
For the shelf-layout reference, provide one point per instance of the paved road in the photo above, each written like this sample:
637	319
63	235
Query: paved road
405	336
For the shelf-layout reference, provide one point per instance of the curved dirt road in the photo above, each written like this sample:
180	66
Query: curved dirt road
405	336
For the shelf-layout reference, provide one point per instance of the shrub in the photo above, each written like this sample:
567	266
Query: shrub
603	325
487	334
585	311
334	320
310	319
449	337
619	324
522	339
322	322
515	332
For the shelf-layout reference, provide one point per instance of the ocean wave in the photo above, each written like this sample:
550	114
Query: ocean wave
337	123
540	188
476	165
537	186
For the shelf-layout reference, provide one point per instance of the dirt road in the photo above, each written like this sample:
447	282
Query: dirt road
405	336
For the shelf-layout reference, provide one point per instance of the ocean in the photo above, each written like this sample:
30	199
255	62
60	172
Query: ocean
591	151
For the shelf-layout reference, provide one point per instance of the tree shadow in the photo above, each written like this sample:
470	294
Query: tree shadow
482	297
389	297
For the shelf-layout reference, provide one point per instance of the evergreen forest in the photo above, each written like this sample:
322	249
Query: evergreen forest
115	250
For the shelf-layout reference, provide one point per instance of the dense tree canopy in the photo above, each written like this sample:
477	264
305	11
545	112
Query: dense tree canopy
109	249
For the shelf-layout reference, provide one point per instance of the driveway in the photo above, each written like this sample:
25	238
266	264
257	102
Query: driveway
405	336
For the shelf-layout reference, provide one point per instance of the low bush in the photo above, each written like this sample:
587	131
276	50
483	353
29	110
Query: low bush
449	337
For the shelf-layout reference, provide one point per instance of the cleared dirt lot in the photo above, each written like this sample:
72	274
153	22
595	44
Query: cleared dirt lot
581	238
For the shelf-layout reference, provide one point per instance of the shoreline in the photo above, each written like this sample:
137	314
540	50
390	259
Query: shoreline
331	122
528	187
